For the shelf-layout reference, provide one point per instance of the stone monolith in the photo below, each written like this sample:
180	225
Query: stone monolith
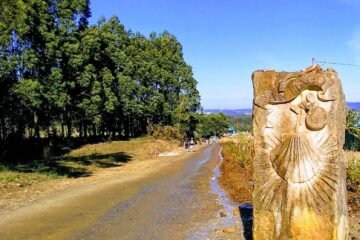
299	122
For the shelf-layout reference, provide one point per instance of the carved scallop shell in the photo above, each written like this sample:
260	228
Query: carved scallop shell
296	160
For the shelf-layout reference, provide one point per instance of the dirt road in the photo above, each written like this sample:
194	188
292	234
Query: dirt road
174	200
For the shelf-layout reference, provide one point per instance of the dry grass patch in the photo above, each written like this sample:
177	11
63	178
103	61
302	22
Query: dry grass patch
353	182
84	161
236	169
10	178
139	149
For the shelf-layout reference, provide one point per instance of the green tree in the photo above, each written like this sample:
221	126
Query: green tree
352	133
213	124
56	71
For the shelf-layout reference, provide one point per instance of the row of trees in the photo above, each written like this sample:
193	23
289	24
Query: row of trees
212	124
241	123
352	132
60	76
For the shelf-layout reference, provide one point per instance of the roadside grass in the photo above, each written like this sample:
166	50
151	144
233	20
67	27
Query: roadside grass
236	169
353	170
353	182
83	161
14	178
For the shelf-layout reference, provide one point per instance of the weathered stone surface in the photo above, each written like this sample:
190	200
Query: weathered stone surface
229	230
299	170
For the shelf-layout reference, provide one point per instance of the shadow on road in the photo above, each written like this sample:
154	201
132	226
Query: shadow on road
246	214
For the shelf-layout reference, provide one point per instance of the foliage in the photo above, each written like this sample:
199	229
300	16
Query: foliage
353	182
241	123
352	133
60	77
212	124
351	120
166	132
241	148
237	164
353	172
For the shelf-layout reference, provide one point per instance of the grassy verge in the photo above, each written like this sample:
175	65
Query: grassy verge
13	178
353	182
83	162
236	169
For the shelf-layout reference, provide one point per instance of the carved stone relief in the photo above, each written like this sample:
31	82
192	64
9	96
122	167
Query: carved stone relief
299	172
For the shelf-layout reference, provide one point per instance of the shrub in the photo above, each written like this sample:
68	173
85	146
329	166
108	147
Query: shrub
165	132
242	150
353	172
236	168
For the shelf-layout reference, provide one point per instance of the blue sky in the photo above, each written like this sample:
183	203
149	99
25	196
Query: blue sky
226	40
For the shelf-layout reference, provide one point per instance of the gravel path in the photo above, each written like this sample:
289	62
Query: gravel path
172	200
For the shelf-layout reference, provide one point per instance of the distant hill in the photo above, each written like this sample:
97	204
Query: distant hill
231	112
248	111
354	105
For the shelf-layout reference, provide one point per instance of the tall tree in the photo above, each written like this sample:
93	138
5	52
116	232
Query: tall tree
59	73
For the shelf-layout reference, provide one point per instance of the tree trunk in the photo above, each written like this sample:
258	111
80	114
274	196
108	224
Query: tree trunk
69	128
94	130
37	127
85	130
2	137
62	130
127	127
80	129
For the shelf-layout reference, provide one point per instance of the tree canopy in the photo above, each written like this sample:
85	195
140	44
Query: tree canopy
60	76
213	124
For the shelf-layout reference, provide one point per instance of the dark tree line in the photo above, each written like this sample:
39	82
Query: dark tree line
60	76
352	131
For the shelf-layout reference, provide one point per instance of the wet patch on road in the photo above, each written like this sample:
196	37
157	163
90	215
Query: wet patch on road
227	225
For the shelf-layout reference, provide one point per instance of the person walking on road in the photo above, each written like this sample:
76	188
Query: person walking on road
186	144
192	144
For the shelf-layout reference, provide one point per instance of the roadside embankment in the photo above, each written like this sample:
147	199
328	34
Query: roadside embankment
23	183
353	187
236	168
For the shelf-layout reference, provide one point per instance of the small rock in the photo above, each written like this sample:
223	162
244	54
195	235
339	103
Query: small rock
229	230
222	214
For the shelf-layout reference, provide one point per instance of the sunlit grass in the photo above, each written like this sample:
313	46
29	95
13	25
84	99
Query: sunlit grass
353	172
83	161
10	178
236	169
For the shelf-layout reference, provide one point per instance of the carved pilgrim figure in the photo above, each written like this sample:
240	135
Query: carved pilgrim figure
299	169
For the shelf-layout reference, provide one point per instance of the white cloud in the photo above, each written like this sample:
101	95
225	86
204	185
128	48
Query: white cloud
354	44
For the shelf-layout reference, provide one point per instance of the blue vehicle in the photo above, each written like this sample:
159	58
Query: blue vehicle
231	130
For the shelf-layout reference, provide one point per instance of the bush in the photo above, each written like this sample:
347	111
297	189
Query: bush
352	142
353	172
236	169
166	132
242	150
